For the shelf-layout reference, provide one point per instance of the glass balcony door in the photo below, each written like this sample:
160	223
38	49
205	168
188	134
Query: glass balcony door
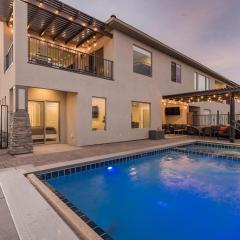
44	120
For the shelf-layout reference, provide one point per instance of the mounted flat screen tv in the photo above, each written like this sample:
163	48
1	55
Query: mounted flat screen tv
172	111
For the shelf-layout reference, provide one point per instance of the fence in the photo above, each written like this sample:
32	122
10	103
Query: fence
213	119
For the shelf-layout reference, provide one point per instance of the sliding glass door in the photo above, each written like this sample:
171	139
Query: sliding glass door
51	122
44	120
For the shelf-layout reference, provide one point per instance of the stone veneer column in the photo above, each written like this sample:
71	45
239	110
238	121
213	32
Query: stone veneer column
20	133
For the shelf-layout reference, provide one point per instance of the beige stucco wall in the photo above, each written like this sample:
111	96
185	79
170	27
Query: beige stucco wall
6	77
119	93
79	89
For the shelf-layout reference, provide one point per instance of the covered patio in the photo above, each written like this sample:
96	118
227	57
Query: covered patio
228	95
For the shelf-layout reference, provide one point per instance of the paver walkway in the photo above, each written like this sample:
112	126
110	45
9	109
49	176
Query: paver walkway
63	152
7	161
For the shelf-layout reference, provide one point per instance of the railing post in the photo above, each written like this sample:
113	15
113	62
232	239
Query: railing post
232	118
217	118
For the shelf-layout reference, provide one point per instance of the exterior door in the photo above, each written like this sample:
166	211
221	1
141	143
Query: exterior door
44	120
36	115
51	122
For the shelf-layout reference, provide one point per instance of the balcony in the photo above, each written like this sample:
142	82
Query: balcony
47	54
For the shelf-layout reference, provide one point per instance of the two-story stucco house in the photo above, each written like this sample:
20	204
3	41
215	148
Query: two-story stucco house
68	77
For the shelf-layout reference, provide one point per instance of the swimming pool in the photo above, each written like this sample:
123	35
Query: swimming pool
161	195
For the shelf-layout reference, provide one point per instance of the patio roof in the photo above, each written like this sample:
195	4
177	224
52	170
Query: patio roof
208	95
58	21
6	7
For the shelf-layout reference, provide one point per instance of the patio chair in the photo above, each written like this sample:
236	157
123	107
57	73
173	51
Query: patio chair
192	130
207	131
223	132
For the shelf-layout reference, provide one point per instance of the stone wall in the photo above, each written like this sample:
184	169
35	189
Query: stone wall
20	133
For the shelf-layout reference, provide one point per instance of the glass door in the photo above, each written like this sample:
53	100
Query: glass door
36	115
44	120
52	122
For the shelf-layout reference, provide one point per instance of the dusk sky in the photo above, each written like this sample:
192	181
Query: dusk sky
206	30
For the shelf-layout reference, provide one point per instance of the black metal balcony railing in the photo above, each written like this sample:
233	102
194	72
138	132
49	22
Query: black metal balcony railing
9	58
51	55
213	119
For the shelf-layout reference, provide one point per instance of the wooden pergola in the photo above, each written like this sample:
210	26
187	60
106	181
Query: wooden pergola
230	94
58	21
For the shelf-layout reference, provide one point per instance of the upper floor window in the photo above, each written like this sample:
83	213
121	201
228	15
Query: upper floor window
142	61
201	82
176	72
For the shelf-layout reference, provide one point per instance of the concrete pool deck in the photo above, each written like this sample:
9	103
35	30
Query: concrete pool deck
7	227
55	153
29	210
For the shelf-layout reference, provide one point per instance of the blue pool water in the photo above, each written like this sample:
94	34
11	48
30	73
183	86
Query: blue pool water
169	196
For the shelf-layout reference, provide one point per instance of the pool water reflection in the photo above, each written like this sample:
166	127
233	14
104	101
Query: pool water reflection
169	196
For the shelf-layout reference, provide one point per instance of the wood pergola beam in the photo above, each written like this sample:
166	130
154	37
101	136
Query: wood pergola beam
44	29
61	30
73	36
205	94
9	16
84	40
65	16
30	20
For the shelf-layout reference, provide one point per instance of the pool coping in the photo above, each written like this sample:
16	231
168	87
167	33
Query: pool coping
80	228
68	211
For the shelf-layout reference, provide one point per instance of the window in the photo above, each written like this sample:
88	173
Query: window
201	82
176	72
195	81
98	114
140	115
142	61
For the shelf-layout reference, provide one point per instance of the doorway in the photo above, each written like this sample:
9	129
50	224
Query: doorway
44	120
193	116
